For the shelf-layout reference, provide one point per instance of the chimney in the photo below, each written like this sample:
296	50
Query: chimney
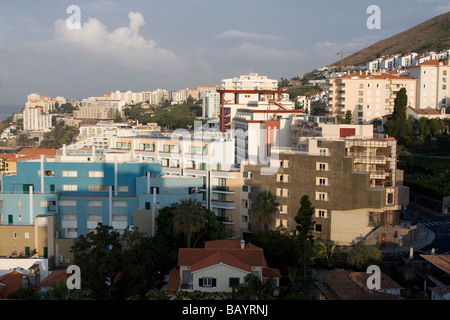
242	244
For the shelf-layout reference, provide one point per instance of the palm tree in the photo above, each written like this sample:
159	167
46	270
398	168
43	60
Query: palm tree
264	206
188	218
404	158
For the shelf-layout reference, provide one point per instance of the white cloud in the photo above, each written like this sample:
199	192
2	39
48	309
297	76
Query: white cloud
124	46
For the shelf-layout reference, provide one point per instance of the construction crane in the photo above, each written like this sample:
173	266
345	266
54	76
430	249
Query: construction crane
342	59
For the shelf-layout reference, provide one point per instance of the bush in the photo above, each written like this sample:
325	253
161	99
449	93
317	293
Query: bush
360	257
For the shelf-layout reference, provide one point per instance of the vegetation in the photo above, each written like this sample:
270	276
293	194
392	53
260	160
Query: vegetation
192	223
59	135
360	257
264	206
115	266
305	226
399	127
167	116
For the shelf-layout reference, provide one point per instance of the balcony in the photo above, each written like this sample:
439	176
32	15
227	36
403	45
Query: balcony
225	220
223	204
222	189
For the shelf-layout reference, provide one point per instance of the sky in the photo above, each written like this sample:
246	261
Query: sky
173	44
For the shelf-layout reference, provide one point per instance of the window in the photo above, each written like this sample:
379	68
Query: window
27	235
321	196
317	227
69	187
99	188
373	219
47	173
119	204
67	203
207	282
94	203
43	204
233	282
15	235
19	204
321	181
320	166
70	174
96	174
320	213
123	188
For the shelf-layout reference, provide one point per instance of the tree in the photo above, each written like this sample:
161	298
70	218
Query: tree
212	230
188	218
404	158
360	257
280	248
305	226
348	117
264	206
255	289
398	127
98	254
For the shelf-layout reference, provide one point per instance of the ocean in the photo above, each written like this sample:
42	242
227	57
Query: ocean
8	110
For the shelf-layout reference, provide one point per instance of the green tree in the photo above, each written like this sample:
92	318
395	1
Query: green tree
404	158
212	229
188	219
255	289
348	117
98	254
280	248
360	257
398	127
305	226
264	206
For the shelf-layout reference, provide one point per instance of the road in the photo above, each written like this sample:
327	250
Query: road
440	225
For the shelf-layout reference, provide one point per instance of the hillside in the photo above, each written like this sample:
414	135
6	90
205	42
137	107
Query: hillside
431	35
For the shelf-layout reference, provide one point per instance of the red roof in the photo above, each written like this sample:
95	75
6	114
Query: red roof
10	282
228	252
54	277
433	62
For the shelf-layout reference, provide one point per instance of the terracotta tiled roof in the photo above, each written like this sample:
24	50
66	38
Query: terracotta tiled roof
33	152
440	261
428	111
386	281
433	62
54	277
228	252
10	282
339	284
174	280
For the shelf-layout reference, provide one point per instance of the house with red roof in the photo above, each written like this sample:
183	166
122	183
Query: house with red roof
219	266
11	282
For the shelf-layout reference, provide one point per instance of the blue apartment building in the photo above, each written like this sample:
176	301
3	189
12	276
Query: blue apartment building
82	194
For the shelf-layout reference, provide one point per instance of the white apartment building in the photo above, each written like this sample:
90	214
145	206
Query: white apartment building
433	88
250	91
35	100
211	105
35	119
367	96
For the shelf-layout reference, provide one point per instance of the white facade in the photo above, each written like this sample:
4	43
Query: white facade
211	105
433	87
34	119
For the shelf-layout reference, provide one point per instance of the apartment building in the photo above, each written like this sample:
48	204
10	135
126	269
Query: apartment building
46	103
80	191
210	105
367	96
351	180
433	88
252	91
96	113
204	155
35	119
